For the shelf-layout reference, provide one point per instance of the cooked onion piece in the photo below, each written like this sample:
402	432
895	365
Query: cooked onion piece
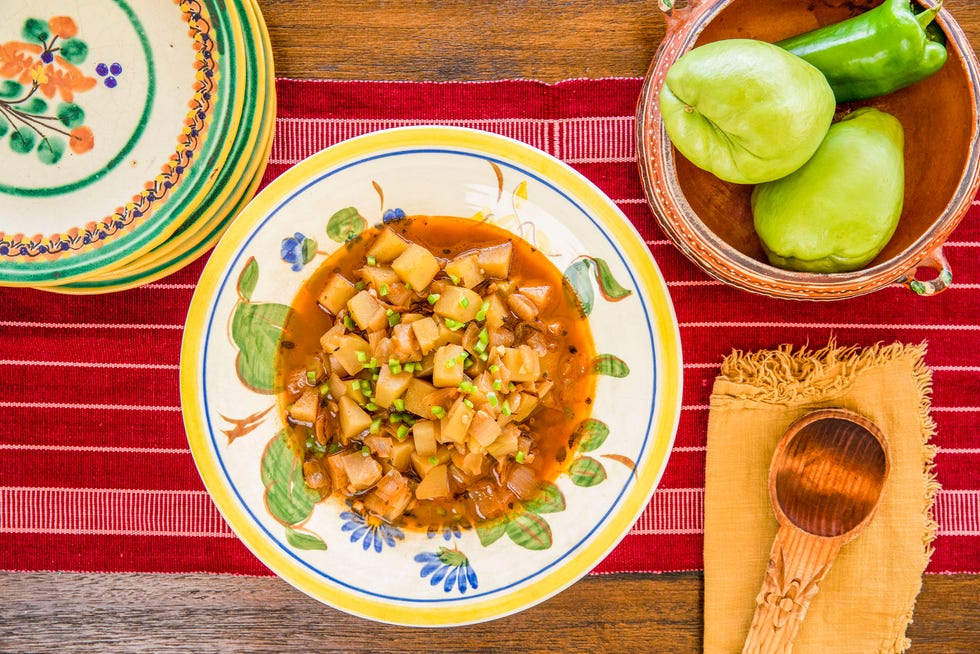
432	372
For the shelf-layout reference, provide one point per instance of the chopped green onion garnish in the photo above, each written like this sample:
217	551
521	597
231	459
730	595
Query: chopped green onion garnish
511	387
349	323
455	278
395	366
450	363
497	384
383	291
505	408
492	399
394	318
365	450
359	286
399	404
371	406
395	418
334	447
366	389
481	315
454	325
361	355
466	386
483	336
468	402
373	363
438	411
494	368
376	425
409	287
324	390
464	302
519	457
480	347
433	298
402	432
484	356
371	261
434	460
356	384
311	377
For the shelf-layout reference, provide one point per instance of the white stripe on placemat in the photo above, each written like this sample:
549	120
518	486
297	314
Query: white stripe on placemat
93	511
672	511
191	513
680	511
89	364
85	325
600	139
604	139
957	512
161	286
298	138
102	449
934	409
87	406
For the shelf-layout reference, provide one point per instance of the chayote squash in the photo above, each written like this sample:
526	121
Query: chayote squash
745	110
837	212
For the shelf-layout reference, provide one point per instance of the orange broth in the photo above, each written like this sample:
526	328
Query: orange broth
552	422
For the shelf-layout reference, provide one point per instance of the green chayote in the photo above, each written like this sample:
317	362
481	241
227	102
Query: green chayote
745	110
837	212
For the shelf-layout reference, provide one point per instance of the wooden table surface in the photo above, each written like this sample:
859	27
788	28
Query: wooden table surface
547	40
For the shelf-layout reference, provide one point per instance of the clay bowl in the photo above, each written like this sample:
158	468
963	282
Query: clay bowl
711	220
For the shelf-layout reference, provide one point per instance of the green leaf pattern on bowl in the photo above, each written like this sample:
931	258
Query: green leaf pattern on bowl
579	275
255	331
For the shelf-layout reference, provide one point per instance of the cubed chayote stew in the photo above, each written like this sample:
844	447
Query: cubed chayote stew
432	371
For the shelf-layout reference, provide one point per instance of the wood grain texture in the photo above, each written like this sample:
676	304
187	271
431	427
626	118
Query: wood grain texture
46	612
547	40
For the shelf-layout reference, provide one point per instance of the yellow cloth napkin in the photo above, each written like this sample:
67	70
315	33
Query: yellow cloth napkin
866	600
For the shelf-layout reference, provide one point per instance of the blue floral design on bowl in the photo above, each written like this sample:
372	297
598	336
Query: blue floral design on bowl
370	531
297	250
448	567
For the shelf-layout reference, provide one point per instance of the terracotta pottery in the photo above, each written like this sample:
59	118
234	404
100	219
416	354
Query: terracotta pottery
710	221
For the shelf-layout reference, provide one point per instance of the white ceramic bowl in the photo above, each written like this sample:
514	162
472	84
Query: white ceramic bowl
379	571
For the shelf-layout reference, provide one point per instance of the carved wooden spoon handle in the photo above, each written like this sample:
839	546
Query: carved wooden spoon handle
798	562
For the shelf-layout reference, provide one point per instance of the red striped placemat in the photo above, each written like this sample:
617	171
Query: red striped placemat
95	472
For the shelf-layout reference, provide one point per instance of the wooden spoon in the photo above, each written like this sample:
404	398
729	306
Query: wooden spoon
825	482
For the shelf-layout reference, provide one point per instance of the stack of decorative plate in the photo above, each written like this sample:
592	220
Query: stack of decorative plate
131	133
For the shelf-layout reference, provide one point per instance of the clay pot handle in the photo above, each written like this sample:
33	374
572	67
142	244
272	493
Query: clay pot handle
944	277
798	563
678	17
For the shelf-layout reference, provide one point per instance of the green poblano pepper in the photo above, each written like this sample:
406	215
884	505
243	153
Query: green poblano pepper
872	54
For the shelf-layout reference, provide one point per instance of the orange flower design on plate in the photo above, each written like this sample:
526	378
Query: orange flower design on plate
45	65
